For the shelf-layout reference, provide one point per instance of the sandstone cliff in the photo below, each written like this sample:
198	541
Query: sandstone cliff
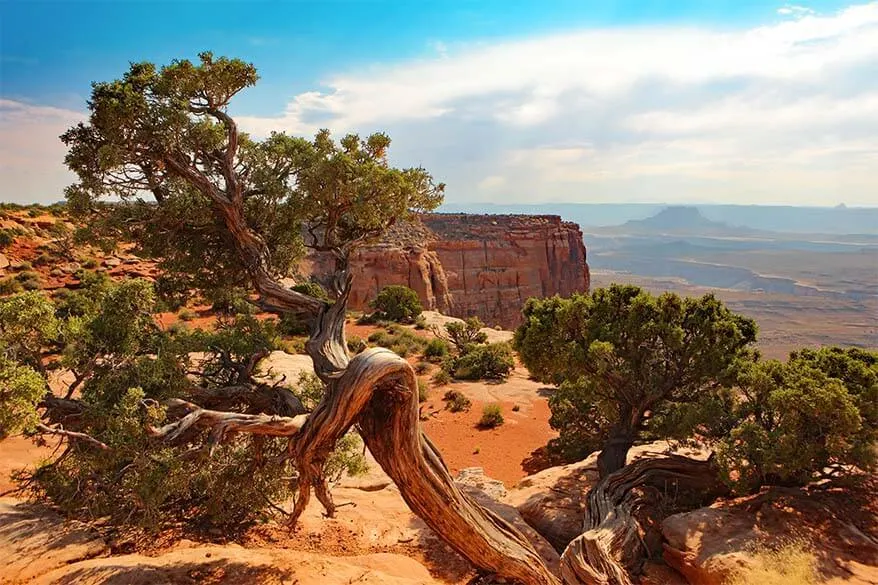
483	265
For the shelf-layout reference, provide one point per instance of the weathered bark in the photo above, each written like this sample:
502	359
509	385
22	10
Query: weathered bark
614	452
611	549
377	391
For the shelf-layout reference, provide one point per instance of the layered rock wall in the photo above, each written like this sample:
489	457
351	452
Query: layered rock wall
482	265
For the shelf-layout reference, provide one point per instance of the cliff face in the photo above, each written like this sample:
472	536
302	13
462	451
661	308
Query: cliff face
483	265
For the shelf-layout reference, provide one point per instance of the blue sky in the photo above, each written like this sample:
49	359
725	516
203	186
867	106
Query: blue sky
726	101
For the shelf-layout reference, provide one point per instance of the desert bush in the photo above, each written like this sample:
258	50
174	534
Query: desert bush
456	401
397	303
420	323
90	263
485	362
422	368
133	366
399	340
10	286
790	423
792	563
172	292
436	349
466	335
313	289
7	237
29	280
423	391
186	315
442	378
229	301
356	344
619	352
492	417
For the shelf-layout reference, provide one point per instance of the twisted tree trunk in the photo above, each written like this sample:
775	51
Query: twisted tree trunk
610	549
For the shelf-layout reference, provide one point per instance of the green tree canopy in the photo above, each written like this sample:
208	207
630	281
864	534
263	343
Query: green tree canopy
791	422
628	363
213	204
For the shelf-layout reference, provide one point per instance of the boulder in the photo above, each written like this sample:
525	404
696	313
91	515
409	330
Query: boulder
709	544
553	500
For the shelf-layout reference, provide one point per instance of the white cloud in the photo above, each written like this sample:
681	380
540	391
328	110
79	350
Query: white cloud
741	115
31	154
786	112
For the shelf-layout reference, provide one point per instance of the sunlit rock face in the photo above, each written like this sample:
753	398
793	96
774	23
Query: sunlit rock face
482	265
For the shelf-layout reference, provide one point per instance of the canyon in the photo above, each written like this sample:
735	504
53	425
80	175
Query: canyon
472	265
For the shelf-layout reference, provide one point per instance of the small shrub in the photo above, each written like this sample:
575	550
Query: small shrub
294	346
313	289
420	322
43	259
516	408
455	401
492	417
186	315
29	280
423	391
356	344
399	340
6	238
90	263
25	266
791	563
486	362
398	303
10	286
442	378
292	325
467	334
436	349
422	368
56	272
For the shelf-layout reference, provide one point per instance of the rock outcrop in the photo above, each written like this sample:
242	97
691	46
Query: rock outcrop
482	265
838	526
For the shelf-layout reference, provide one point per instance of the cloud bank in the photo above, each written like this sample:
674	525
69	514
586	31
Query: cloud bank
781	113
786	112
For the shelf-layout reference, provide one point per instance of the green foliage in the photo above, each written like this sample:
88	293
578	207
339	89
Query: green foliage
621	352
313	289
792	422
441	378
229	301
420	323
399	340
467	334
186	315
436	350
21	389
492	417
422	368
172	292
27	325
7	237
144	130
356	344
10	286
484	362
29	279
456	401
397	303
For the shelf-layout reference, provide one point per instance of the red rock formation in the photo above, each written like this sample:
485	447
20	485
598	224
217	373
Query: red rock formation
483	265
